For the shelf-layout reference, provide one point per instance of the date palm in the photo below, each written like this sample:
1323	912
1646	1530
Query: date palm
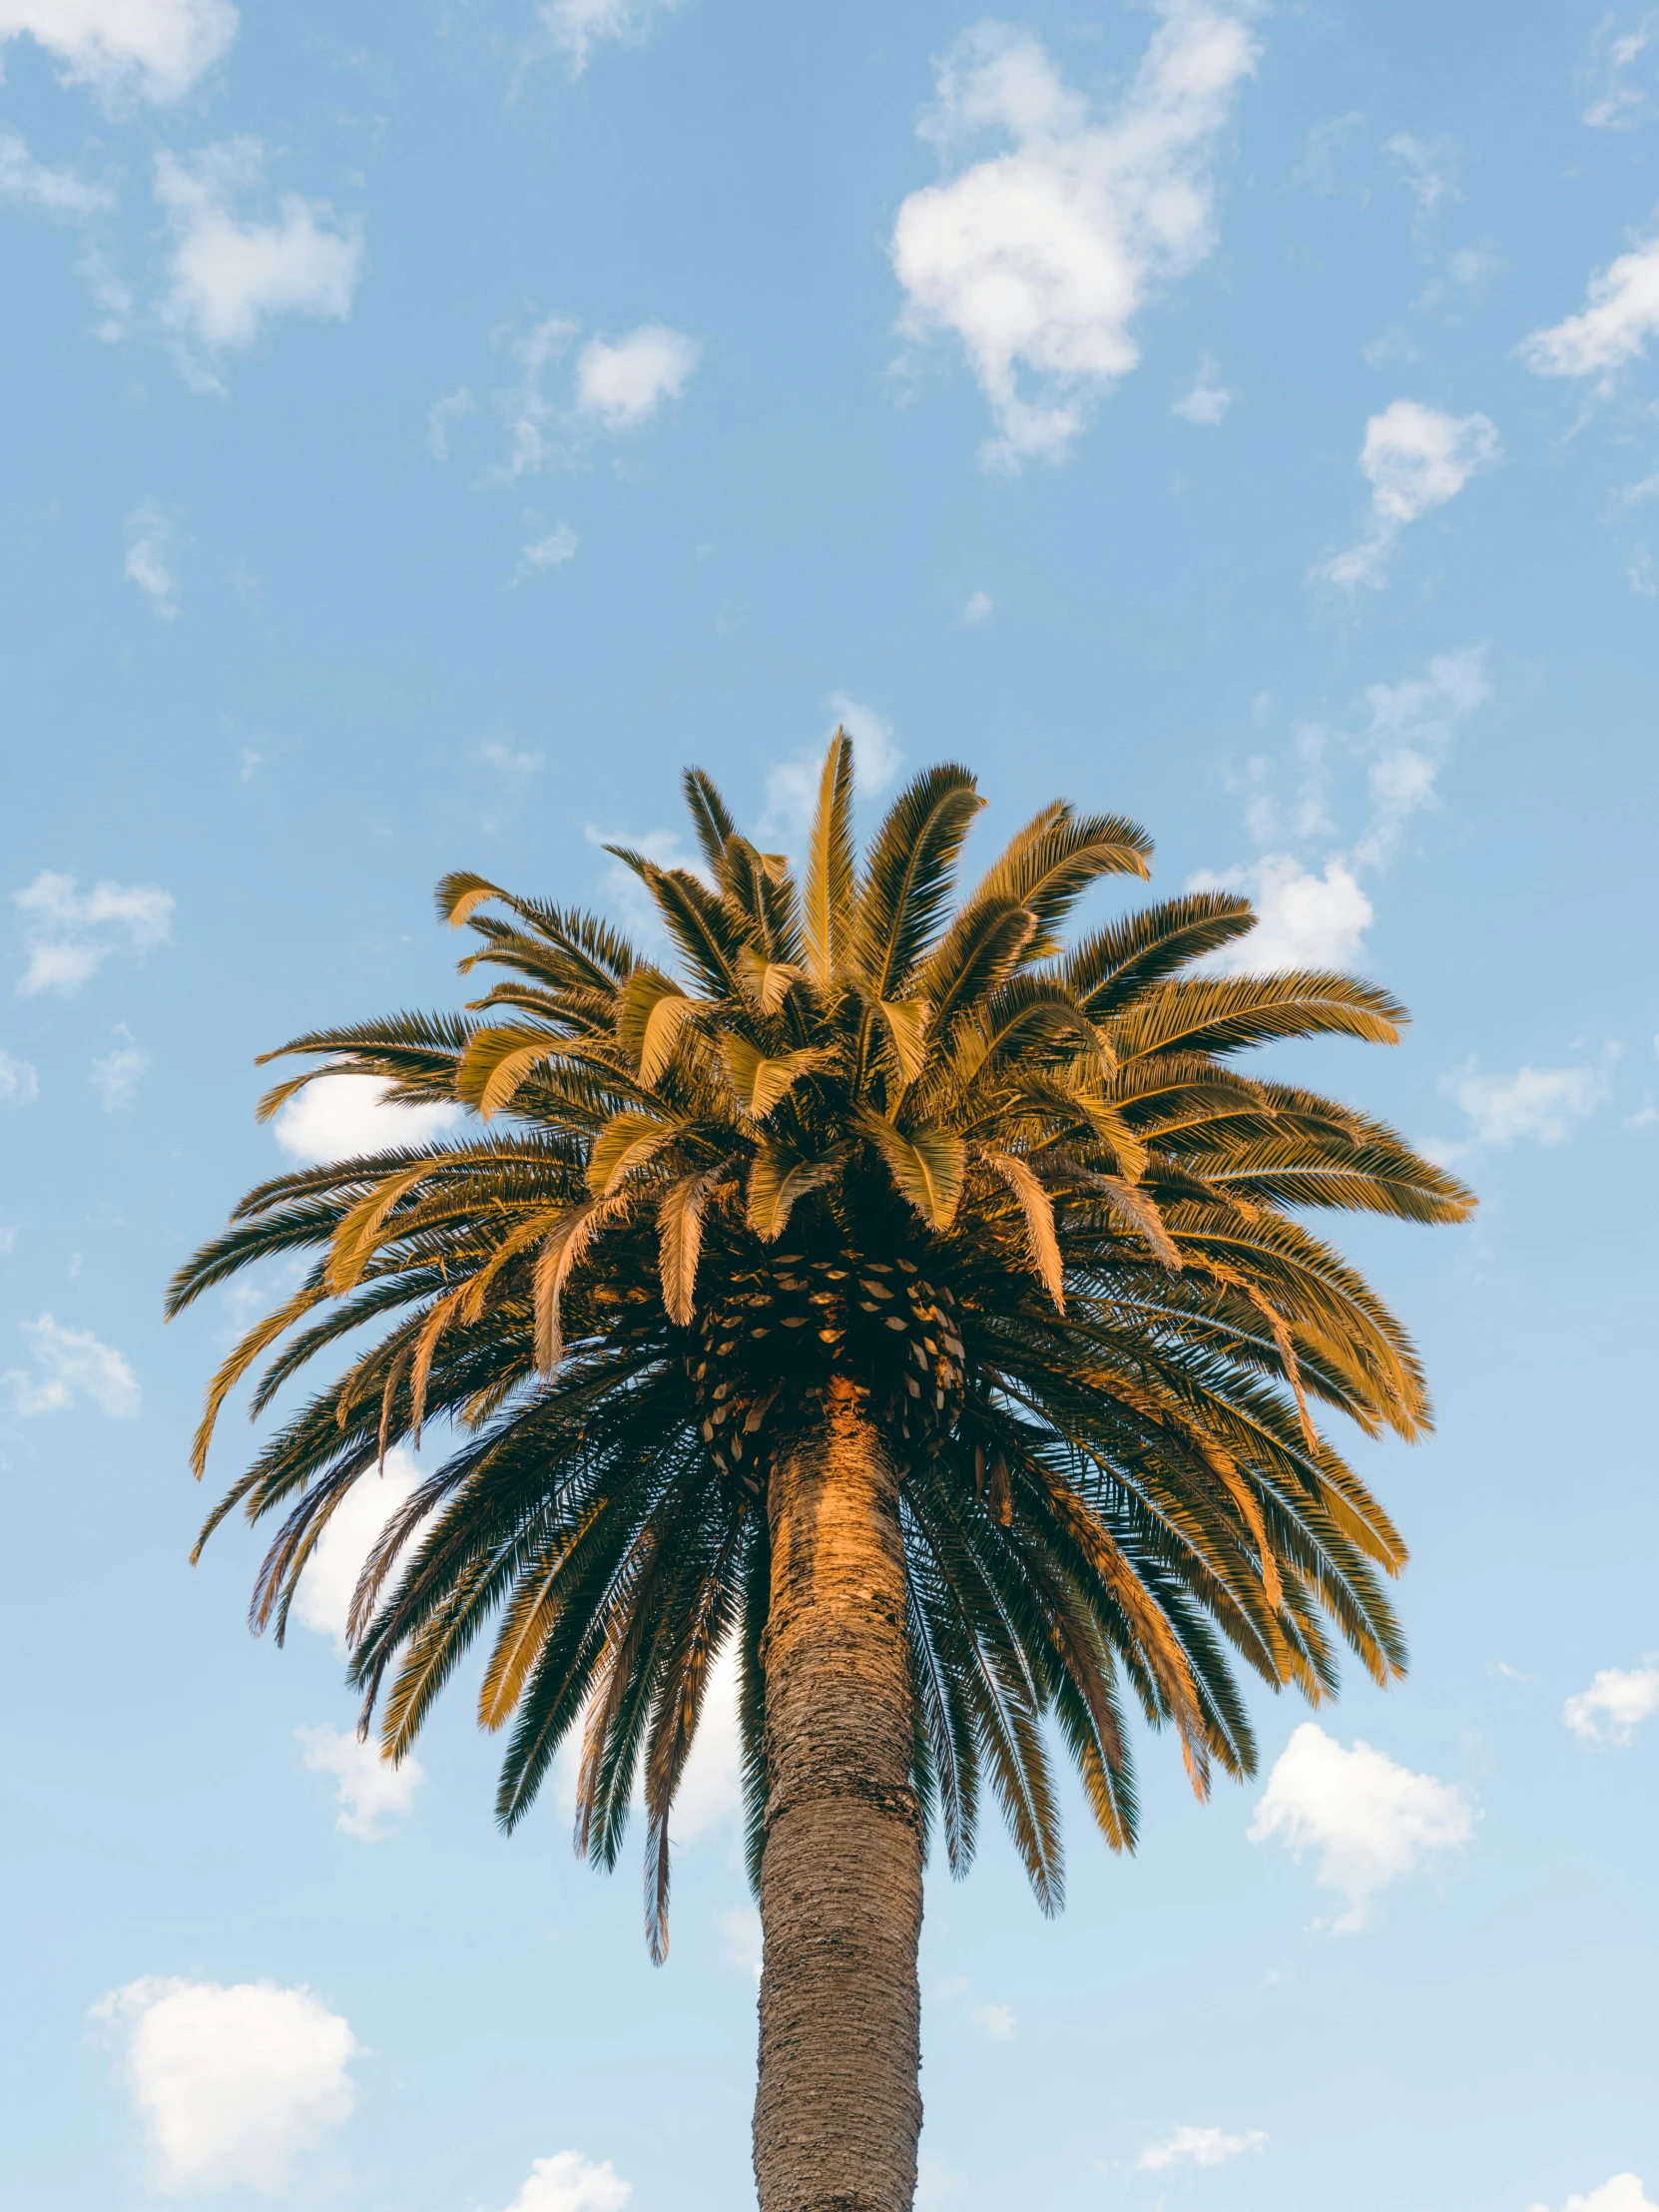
910	1300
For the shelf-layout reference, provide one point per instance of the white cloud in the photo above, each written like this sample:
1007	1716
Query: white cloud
322	1603
32	185
1208	399
618	387
148	560
568	2182
1614	1706
231	2082
1308	919
454	406
1205	2146
71	934
155	48
552	551
1041	257
116	1077
1622	315
791	786
623	385
1415	459
979	608
1616	101
19	1084
1410	728
576	27
370	1789
1370	1821
338	1117
994	2021
1624	2193
1542	1103
72	1363
1315	913
228	276
531	416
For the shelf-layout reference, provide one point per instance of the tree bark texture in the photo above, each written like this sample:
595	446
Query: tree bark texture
838	2107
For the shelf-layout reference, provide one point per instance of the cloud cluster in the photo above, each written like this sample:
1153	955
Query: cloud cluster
1315	912
369	1788
70	1365
1414	459
576	27
232	2082
1368	1819
70	934
1622	315
1615	1704
229	273
1041	257
339	1117
618	387
156	49
1205	2146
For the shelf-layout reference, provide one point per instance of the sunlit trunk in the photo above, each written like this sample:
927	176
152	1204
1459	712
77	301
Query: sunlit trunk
838	2108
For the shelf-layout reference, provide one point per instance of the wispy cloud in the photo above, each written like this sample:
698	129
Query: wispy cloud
1207	398
30	184
1314	911
70	1365
19	1084
978	608
1537	1104
1415	459
1618	82
577	27
116	1077
149	562
70	934
1040	256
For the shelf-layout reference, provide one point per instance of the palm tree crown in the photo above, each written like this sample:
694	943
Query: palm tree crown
1016	1196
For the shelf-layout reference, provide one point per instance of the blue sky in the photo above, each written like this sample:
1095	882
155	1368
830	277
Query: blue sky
425	430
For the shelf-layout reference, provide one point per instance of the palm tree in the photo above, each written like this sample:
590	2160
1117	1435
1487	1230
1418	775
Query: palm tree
908	1300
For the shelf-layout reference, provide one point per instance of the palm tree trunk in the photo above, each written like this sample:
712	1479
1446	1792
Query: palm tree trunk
838	2107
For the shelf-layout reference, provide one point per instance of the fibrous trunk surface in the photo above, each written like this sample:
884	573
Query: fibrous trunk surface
838	2107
